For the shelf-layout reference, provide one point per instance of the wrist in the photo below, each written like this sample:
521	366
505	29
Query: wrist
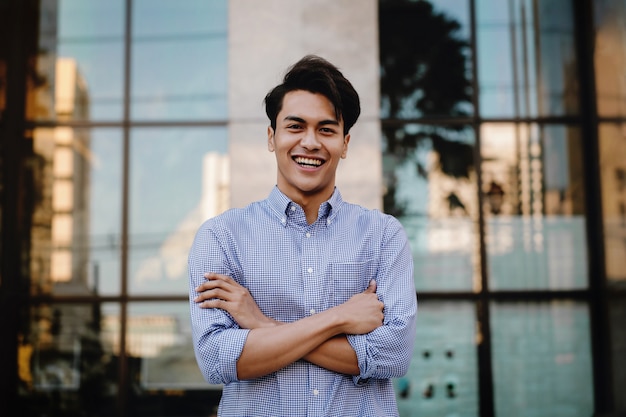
268	322
336	321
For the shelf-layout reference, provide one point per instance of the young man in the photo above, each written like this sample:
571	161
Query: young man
303	304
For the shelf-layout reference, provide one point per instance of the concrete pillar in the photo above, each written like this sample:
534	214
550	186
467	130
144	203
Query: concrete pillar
265	37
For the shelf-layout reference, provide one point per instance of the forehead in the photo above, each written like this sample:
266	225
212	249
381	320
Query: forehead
307	105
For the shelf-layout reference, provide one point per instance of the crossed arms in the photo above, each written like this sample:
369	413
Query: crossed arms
236	336
272	345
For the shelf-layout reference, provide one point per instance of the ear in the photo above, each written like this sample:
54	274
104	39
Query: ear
270	139
346	139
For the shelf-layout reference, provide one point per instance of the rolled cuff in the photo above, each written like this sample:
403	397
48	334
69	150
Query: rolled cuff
230	350
366	358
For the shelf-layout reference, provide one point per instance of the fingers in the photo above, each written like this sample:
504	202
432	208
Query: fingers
212	294
371	288
213	281
212	303
216	286
212	276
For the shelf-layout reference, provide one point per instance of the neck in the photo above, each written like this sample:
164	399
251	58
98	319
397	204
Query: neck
311	211
310	204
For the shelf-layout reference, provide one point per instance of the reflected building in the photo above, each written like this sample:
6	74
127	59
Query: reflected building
60	249
62	172
614	200
610	61
216	185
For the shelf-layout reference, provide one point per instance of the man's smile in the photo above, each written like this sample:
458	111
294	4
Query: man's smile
308	162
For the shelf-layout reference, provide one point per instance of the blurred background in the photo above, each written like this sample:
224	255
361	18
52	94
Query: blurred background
494	130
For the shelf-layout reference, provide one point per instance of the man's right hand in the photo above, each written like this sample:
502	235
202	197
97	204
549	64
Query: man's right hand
363	312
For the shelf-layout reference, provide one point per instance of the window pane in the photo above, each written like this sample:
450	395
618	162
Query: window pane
179	62
425	58
610	56
431	188
442	378
179	178
80	62
527	67
495	64
541	359
76	229
612	144
67	360
163	361
532	181
617	318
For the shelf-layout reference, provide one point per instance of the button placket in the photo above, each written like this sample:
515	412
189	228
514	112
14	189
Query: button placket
310	269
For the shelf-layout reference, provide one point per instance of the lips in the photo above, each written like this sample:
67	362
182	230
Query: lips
308	162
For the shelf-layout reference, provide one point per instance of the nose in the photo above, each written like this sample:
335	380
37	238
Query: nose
309	140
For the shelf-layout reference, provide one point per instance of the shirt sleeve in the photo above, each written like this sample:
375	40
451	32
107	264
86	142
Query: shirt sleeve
217	339
386	352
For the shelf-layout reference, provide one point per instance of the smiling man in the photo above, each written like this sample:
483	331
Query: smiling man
304	304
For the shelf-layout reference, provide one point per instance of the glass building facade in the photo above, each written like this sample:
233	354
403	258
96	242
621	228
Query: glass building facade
494	130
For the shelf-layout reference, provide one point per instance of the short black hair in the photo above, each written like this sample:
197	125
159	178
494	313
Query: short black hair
316	75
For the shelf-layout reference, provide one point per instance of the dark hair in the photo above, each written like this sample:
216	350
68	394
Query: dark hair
317	75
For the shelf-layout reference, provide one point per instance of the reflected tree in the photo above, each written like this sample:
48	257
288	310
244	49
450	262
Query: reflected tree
424	75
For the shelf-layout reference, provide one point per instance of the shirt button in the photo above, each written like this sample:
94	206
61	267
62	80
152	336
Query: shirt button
293	208
312	311
308	234
316	392
310	270
283	220
328	221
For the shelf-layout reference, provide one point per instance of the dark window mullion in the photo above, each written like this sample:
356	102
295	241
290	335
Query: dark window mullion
124	375
598	307
483	348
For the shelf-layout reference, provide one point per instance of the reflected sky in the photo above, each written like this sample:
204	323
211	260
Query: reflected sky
179	60
167	191
93	34
178	57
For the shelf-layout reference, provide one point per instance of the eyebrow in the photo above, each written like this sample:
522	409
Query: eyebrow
321	123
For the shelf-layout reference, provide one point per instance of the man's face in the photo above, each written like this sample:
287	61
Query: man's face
308	143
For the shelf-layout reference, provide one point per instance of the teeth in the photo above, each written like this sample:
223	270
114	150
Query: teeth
308	161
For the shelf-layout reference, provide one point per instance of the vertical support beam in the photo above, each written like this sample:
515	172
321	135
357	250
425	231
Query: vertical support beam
600	325
18	38
123	369
483	348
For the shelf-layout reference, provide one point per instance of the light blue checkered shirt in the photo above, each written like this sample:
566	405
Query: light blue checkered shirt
293	269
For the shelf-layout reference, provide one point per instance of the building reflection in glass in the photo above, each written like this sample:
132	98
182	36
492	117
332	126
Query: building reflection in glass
431	188
428	168
195	175
62	162
532	180
67	360
613	179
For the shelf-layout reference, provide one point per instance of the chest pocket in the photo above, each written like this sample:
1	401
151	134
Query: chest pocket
350	279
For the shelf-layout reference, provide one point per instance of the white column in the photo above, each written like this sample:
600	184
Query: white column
265	37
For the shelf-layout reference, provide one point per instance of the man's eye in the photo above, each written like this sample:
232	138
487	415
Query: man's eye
327	130
294	127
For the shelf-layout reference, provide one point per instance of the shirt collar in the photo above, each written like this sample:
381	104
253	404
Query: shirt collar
279	203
